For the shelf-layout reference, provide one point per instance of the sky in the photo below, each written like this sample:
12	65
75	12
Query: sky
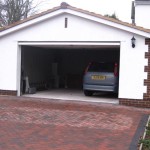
122	8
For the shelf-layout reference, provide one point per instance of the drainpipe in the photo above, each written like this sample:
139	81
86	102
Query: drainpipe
133	13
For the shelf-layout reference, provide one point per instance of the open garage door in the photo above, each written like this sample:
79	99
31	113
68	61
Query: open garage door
52	67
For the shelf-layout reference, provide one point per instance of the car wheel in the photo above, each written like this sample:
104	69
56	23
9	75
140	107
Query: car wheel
88	93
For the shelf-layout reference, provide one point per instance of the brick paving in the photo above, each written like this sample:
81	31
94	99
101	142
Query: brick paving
41	124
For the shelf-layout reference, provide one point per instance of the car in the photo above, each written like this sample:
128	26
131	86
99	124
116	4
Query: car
101	76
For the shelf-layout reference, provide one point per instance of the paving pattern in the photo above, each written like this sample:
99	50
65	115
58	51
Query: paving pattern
28	124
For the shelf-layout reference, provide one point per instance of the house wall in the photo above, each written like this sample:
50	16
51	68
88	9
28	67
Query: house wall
142	17
132	60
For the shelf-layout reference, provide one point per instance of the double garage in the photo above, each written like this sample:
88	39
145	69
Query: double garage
51	50
50	67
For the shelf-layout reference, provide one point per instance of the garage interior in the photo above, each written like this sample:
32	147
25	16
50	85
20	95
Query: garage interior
57	68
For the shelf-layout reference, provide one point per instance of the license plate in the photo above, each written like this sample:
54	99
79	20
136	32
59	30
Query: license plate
96	77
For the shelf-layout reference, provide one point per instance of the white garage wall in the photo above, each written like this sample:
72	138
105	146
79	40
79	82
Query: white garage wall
132	59
132	70
8	64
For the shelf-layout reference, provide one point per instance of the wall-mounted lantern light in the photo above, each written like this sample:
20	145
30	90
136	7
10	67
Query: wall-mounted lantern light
133	42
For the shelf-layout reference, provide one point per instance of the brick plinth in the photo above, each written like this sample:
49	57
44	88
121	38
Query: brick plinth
145	102
8	92
135	102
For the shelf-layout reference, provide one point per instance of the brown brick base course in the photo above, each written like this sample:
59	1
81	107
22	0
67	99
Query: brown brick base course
135	102
8	92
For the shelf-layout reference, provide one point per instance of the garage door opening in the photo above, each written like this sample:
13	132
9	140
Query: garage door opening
55	68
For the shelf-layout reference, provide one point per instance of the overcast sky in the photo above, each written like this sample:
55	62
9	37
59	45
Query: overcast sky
122	8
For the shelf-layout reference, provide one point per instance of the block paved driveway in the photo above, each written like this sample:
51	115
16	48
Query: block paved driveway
41	124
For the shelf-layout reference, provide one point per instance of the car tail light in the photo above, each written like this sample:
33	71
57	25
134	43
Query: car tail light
116	70
87	68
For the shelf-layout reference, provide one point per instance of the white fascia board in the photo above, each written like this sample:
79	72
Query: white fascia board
31	22
109	23
81	43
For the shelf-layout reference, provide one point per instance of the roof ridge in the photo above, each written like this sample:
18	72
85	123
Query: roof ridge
64	5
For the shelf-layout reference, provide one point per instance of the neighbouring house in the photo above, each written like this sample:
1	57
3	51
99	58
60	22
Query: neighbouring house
140	13
55	47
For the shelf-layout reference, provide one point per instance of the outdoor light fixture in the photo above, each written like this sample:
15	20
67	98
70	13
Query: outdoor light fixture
133	42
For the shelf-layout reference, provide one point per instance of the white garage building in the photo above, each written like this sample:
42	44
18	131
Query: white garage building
68	38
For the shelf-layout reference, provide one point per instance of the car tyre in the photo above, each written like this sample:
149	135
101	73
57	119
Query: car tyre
88	93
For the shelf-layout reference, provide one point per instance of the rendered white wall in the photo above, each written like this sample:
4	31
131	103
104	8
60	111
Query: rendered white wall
132	70
132	61
8	64
142	15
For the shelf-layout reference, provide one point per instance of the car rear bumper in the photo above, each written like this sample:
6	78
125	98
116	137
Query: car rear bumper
107	88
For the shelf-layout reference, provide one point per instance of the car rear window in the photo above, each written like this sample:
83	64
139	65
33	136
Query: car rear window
101	67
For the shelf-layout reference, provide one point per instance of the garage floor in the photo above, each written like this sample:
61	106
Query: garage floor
67	94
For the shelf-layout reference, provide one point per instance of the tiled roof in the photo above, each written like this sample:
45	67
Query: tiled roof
66	6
